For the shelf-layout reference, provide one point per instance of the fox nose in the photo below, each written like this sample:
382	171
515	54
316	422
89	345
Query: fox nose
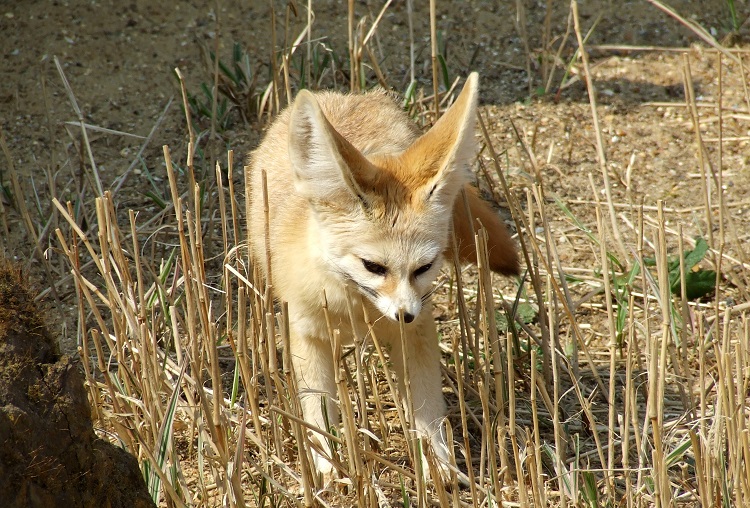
408	318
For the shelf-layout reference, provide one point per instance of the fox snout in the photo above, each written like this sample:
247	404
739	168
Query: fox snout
408	315
408	305
408	318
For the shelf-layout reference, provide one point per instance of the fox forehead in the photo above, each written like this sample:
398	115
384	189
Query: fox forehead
391	235
389	227
399	179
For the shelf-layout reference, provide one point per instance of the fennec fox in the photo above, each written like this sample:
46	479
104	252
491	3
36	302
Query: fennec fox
361	206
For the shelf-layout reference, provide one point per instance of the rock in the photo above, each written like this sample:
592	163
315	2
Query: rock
49	454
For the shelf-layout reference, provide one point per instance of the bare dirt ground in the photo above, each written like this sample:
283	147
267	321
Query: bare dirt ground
119	60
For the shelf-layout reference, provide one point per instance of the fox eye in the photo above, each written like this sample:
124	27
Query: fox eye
422	269
374	267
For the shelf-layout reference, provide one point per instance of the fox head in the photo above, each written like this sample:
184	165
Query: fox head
383	219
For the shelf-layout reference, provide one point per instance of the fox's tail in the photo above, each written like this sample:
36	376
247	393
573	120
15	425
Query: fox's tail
501	251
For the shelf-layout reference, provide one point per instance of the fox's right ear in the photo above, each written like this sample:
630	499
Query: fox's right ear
326	166
442	156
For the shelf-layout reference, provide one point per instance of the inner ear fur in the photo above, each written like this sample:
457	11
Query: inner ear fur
439	159
326	166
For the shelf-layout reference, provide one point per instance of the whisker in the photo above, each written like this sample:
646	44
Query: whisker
438	284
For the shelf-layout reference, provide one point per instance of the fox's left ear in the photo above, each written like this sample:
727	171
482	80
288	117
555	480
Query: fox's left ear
443	154
327	168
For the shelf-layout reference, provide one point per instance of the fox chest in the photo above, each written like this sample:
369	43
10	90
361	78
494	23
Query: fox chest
343	312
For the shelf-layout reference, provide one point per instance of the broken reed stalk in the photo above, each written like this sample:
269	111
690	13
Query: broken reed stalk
434	58
700	148
611	344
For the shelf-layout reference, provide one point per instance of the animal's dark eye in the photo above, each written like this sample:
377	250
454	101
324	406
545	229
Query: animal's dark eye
373	267
422	269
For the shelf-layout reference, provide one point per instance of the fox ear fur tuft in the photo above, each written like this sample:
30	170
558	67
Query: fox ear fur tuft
322	159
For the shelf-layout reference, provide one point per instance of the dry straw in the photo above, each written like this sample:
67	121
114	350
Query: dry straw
627	396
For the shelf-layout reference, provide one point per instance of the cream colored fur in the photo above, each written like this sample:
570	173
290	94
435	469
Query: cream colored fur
350	182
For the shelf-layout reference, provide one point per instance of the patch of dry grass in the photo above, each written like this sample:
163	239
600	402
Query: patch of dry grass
602	388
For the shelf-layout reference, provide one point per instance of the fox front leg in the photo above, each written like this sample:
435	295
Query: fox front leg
312	360
425	383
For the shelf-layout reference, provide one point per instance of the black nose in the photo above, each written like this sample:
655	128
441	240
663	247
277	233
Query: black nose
408	318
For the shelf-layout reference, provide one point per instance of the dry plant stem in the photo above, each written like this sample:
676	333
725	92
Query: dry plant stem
52	167
250	381
286	56
536	444
701	150
372	30
463	314
267	229
375	67
186	108
667	209
551	256
546	42
364	421
99	188
492	350
612	344
724	216
537	484
237	239
274	89
522	494
353	70
560	439
558	55
270	374
309	42
568	310
521	28
661	49
120	180
215	89
720	146
386	371
460	379
682	368
597	130
128	433
697	29
434	58
347	413
629	402
487	446
438	486
412	56
659	367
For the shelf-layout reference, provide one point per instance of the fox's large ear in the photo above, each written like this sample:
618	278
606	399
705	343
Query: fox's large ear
443	154
326	166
